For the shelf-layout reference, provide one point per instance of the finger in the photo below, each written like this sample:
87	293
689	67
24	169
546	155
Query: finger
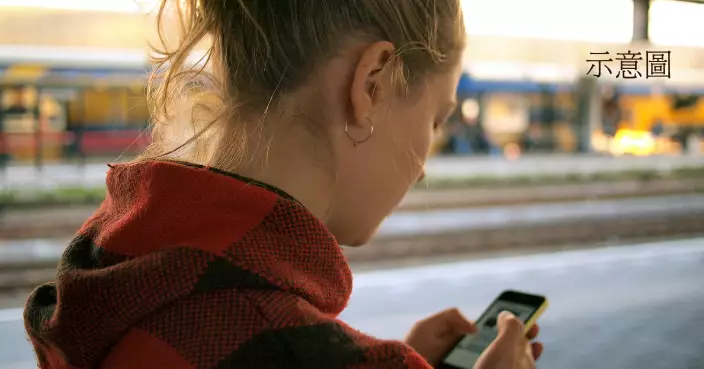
451	321
537	349
458	322
510	327
533	332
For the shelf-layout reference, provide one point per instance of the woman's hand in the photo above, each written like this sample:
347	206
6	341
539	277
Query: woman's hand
435	336
511	349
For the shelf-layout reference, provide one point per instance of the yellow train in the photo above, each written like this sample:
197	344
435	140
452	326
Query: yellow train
637	121
659	123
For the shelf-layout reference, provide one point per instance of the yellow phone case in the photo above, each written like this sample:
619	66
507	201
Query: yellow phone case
533	319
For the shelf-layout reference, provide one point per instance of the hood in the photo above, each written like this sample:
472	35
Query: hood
163	229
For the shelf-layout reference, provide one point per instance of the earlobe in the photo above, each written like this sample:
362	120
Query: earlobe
370	79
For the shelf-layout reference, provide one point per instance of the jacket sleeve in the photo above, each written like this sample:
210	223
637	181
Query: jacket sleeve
377	354
404	358
218	331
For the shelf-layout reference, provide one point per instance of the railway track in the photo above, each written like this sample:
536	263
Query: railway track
23	275
53	221
545	237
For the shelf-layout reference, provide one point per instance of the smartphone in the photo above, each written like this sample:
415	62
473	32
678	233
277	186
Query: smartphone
527	307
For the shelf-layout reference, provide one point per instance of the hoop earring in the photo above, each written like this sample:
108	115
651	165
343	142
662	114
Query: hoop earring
355	142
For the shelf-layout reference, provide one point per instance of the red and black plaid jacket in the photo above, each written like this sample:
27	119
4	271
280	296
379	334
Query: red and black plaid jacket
187	267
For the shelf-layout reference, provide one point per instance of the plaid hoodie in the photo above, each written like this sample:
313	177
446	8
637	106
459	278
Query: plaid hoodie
189	267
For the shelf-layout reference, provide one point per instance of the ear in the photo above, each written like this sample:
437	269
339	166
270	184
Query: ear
371	80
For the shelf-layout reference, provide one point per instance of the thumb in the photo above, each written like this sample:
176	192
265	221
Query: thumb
510	327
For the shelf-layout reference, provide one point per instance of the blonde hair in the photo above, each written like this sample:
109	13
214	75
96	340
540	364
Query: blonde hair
261	50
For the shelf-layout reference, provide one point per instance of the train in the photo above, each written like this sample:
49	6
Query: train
633	118
57	104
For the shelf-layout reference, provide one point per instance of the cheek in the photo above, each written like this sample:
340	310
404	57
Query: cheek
420	136
412	138
427	134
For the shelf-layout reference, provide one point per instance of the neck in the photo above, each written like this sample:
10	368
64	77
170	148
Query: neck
288	158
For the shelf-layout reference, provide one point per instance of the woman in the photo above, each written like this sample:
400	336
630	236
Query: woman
219	247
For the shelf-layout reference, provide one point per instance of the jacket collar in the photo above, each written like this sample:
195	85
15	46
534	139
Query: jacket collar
156	205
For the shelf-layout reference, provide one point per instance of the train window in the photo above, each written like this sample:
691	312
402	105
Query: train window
18	104
18	100
684	101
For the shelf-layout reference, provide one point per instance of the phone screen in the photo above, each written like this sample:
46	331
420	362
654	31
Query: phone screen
468	350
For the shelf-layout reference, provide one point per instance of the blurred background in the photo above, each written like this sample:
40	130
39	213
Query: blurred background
547	179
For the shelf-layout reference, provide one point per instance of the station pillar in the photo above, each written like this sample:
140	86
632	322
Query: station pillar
641	20
589	112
